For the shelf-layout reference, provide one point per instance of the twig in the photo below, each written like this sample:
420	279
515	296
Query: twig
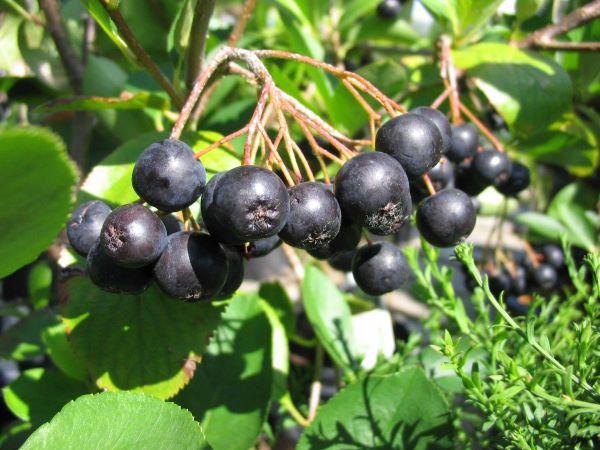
294	261
255	121
24	13
222	141
198	35
89	35
448	72
485	130
275	155
441	98
429	184
238	30
315	388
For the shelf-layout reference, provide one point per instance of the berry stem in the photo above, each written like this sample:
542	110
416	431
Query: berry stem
485	130
275	155
241	23
531	254
254	122
222	141
441	99
448	73
429	184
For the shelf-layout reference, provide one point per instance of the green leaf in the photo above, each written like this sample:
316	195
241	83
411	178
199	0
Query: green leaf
140	100
231	389
61	352
23	340
11	61
37	191
400	411
581	231
39	285
280	352
148	342
38	394
542	225
277	298
579	193
119	420
329	314
530	91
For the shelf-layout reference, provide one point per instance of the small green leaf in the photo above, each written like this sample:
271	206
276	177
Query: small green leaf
37	191
400	411
61	352
40	393
23	340
330	317
276	296
119	420
140	100
39	284
148	342
542	225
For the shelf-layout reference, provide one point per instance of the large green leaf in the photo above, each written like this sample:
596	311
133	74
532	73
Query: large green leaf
139	100
61	352
40	393
542	225
330	317
37	191
23	340
232	387
119	420
527	89
11	60
400	411
148	342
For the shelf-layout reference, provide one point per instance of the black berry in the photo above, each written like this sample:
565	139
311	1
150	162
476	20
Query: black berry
446	218
413	140
465	141
553	255
441	176
517	305
315	216
499	281
172	224
389	9
133	236
110	277
168	177
380	268
263	247
372	189
518	180
235	272
545	276
342	261
491	167
346	240
466	180
83	228
208	213
193	266
440	121
519	280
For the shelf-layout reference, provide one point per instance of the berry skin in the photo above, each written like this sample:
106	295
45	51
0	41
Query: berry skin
263	247
249	203
465	141
498	281
372	190
342	261
193	266
491	167
446	218
110	277
208	213
83	228
235	272
380	268
441	176
467	181
413	140
315	216
545	276
440	121
553	255
519	281
168	177
516	305
389	9
518	180
346	240
172	224
133	236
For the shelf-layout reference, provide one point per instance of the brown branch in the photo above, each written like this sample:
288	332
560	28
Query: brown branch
428	184
238	30
448	72
545	37
198	35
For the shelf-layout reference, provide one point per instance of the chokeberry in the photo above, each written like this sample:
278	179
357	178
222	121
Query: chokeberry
235	272
441	176
110	277
263	247
413	140
373	191
83	228
172	224
519	280
517	305
249	203
545	276
446	218
440	121
518	180
346	240
208	213
379	268
499	281
466	180
342	261
167	176
389	9
491	167
553	255
193	266
315	216
133	236
465	141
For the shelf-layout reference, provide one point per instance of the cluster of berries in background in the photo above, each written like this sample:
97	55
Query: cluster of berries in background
421	164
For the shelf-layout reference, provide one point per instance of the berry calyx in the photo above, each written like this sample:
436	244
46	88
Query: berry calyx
167	176
440	121
464	143
380	268
84	225
346	240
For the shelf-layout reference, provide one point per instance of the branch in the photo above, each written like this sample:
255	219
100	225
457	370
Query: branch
198	35
236	34
545	37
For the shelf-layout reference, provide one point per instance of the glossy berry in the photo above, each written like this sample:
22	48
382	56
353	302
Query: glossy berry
380	268
389	9
446	218
263	247
168	177
413	140
133	236
518	180
440	121
235	272
346	240
315	216
208	213
110	277
467	181
465	141
193	266
373	191
491	167
441	176
499	281
553	255
342	261
519	281
249	203
545	276
172	224
83	228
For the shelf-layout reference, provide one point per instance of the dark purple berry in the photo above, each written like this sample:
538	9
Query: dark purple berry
465	141
193	266
553	255
133	236
491	167
172	224
441	176
545	276
346	240
518	181
110	277
389	9
168	177
208	213
249	203
499	281
379	268
235	272
342	261
263	247
373	191
83	228
440	121
413	140
446	218
519	281
315	216
467	181
516	305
